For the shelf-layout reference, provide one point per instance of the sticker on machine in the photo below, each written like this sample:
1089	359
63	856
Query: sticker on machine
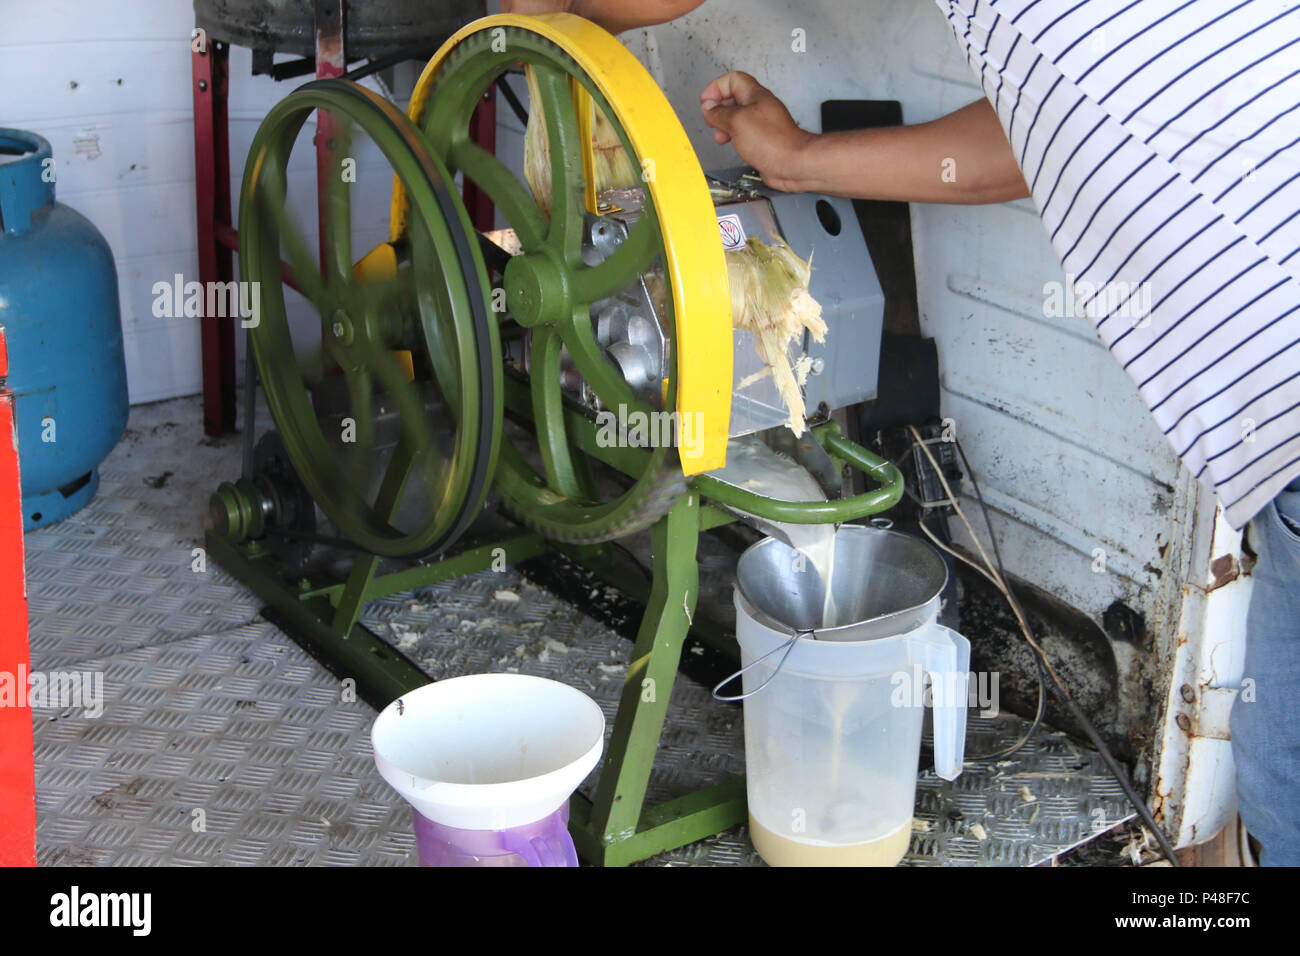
733	233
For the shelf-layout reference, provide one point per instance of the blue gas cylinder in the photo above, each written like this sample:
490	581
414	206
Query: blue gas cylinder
59	309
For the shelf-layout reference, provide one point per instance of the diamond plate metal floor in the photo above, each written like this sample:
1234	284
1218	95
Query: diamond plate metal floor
222	742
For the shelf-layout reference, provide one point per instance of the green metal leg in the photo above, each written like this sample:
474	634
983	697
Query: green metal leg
381	674
323	619
353	598
613	829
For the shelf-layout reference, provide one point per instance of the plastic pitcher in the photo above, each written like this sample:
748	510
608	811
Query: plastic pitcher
488	762
833	715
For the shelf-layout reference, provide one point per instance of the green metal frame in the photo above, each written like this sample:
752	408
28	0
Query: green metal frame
549	290
322	617
616	828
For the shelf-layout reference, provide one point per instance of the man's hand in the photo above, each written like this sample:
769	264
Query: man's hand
746	114
959	158
614	15
534	7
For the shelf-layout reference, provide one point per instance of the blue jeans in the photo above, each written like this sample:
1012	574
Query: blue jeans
1266	730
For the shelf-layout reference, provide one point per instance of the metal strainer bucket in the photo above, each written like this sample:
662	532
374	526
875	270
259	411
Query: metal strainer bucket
885	582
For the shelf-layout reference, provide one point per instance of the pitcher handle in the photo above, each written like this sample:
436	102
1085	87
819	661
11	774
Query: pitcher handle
553	846
543	851
788	646
945	656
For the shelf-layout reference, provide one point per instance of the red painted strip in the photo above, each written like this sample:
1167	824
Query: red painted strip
17	772
483	131
212	198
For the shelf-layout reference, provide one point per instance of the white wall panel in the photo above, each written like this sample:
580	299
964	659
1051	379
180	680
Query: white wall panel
108	84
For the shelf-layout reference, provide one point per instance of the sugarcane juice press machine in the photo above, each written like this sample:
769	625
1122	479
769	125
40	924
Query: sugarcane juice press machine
451	417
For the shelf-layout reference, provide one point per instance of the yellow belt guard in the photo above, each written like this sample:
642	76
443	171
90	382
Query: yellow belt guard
694	262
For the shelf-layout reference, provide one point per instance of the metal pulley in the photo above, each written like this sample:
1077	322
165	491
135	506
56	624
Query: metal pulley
393	326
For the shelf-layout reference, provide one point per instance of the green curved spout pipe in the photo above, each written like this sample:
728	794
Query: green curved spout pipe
831	436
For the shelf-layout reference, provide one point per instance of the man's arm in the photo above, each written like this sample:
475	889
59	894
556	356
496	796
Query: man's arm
614	15
963	157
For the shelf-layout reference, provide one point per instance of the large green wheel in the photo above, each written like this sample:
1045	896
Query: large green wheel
549	290
432	307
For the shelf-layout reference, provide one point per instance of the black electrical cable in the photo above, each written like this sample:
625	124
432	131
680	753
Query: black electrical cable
1039	711
1113	765
515	105
1041	707
1038	658
392	59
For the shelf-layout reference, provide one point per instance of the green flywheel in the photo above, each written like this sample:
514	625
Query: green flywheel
418	342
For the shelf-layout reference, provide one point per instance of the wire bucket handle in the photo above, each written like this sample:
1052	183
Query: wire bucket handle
788	646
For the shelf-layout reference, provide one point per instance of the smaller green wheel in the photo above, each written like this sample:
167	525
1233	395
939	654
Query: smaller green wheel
414	351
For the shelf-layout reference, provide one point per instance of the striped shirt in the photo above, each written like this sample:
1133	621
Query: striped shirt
1159	140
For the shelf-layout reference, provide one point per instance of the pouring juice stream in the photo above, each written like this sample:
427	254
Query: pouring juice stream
763	471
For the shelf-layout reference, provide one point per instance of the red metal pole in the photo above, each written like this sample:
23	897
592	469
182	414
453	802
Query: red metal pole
331	61
483	131
17	769
210	67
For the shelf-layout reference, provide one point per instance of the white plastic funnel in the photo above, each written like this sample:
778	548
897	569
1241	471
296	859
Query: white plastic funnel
488	751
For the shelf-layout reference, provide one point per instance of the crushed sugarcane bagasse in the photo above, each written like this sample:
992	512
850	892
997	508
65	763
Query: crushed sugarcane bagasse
612	167
770	299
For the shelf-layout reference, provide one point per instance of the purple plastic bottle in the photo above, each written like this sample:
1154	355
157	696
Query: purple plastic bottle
543	843
488	763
